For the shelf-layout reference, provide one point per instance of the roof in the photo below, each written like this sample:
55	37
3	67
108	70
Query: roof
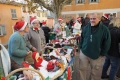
11	3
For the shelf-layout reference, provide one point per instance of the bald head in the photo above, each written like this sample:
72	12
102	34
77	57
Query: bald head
94	19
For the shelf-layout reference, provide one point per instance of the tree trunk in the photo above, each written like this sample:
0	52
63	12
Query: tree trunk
55	18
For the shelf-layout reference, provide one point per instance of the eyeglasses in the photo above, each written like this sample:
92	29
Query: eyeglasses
92	18
36	23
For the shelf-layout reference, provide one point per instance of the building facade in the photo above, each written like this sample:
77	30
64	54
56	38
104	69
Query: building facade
39	14
83	7
9	14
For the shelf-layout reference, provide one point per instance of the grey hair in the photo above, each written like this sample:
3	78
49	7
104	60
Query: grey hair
97	14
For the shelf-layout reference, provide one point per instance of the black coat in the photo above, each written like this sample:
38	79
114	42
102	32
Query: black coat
46	30
85	22
115	39
106	22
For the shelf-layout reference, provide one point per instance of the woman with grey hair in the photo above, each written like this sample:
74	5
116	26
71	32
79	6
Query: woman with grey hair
35	38
113	55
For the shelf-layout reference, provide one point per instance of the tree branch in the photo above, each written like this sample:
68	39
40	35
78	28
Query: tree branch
66	2
42	3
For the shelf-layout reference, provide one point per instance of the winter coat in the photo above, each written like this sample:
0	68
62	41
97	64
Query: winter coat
115	39
77	27
58	29
17	47
97	43
85	22
46	32
106	22
35	39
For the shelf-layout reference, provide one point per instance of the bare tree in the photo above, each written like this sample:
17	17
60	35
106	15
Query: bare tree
54	6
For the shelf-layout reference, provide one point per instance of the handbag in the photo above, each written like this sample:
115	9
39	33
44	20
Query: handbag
29	58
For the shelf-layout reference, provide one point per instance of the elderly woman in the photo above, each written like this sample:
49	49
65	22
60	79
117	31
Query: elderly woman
35	37
113	56
17	47
58	27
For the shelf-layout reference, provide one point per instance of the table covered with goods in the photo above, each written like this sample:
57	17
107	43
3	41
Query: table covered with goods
56	62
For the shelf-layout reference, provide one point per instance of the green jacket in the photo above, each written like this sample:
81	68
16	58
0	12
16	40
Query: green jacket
17	48
96	44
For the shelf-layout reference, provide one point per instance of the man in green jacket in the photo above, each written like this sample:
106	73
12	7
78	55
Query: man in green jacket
94	44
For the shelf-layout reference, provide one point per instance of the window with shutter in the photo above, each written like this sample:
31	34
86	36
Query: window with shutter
79	1
93	1
13	13
2	30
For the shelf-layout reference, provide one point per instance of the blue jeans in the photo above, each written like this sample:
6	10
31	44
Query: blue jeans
115	63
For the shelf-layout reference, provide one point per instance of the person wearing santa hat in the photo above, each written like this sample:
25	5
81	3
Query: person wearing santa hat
77	25
105	20
46	30
58	27
17	47
35	38
16	44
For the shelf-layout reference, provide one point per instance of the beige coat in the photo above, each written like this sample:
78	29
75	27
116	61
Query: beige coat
35	39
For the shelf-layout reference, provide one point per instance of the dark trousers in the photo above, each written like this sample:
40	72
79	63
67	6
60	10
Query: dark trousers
118	73
114	62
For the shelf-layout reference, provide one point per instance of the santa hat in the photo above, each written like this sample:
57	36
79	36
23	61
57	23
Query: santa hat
44	22
78	18
105	16
20	25
32	20
60	19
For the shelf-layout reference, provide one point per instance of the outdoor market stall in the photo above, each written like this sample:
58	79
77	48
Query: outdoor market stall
42	73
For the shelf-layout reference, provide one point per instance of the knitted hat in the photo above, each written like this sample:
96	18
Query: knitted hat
60	19
20	25
105	16
32	20
78	18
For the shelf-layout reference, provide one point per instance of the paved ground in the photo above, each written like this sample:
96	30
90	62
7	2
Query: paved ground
75	75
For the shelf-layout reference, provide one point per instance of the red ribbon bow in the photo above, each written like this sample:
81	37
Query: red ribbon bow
36	28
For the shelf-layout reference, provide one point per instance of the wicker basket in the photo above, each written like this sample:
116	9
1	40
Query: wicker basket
21	69
29	58
61	69
50	47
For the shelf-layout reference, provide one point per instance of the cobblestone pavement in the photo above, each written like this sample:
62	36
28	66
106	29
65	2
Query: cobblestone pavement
75	75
